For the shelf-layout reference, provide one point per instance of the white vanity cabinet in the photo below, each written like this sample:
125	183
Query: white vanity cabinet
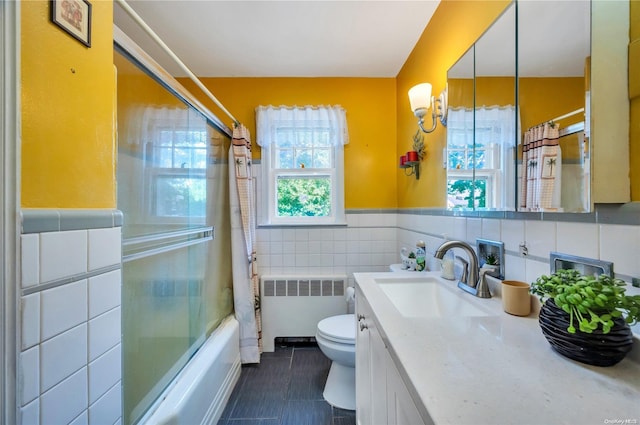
371	379
401	410
381	395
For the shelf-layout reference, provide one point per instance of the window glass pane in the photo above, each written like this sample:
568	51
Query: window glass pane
322	158
180	196
479	157
321	139
303	196
163	157
284	158
304	139
303	158
285	138
165	138
464	193
457	159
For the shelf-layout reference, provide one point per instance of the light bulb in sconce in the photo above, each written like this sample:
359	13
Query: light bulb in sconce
421	100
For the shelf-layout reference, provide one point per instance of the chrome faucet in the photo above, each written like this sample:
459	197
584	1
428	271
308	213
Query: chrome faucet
472	280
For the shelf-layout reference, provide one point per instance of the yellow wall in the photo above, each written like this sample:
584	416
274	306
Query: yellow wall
634	128
68	147
453	28
370	161
67	95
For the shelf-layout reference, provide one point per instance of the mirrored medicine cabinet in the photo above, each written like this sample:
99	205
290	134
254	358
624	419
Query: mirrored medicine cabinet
523	102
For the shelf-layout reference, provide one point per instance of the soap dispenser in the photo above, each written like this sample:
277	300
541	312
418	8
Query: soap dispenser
447	264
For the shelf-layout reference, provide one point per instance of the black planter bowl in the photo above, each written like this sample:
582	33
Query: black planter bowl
596	348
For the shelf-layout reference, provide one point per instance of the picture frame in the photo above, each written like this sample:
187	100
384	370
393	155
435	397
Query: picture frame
73	16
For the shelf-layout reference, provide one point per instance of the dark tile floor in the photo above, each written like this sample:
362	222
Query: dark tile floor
284	389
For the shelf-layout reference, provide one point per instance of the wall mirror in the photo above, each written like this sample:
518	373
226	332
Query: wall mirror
505	99
482	121
554	48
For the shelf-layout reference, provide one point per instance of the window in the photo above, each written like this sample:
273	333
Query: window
302	165
480	157
175	163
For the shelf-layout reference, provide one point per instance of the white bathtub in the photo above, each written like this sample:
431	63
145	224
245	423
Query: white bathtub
201	390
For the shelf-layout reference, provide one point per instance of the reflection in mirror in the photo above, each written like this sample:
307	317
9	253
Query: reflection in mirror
553	99
482	122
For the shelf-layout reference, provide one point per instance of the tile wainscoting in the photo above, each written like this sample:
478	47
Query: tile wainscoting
372	240
69	366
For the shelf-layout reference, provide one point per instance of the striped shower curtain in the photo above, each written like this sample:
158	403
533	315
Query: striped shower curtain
246	287
542	169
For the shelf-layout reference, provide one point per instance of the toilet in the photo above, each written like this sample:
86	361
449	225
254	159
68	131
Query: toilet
336	337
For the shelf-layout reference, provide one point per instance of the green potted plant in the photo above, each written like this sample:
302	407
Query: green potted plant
491	262
587	318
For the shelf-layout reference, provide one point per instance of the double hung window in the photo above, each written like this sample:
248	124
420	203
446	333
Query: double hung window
480	157
302	165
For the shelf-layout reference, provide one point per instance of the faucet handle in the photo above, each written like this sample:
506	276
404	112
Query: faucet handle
465	269
483	286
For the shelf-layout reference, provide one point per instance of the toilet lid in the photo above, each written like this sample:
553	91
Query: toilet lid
340	328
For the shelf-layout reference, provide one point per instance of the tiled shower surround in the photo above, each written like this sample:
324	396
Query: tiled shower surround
69	363
70	341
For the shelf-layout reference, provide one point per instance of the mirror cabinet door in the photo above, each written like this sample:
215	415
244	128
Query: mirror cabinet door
482	121
460	124
553	92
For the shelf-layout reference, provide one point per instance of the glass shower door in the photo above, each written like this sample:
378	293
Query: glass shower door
172	179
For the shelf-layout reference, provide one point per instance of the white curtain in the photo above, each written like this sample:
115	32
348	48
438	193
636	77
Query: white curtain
271	119
246	287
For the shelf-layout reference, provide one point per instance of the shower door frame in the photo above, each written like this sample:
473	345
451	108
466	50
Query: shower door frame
10	198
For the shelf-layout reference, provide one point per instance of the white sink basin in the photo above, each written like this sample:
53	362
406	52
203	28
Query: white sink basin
428	297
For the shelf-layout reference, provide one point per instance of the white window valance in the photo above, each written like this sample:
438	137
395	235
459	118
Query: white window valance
271	119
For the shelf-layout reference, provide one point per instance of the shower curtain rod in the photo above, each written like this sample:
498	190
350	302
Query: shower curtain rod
173	56
577	111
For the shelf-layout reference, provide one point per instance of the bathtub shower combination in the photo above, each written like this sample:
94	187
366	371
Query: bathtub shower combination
180	344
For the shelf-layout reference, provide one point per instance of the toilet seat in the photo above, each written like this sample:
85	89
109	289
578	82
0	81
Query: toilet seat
340	329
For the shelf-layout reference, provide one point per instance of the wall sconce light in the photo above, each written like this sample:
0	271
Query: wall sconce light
412	158
421	100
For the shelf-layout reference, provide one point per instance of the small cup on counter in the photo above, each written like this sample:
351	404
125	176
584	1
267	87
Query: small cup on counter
516	299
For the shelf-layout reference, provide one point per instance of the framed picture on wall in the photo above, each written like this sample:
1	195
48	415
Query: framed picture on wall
73	16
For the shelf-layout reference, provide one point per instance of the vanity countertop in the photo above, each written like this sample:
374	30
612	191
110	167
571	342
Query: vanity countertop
499	368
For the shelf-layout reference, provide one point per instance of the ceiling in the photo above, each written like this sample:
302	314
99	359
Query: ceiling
326	38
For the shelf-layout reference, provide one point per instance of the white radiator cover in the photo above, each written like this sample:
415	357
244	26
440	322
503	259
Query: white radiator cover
292	306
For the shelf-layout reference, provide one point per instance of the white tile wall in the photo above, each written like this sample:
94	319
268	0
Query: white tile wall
104	293
62	254
103	247
101	377
63	308
617	243
62	355
366	244
29	378
580	239
104	333
540	237
30	319
30	259
81	320
70	366
30	414
62	403
621	244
